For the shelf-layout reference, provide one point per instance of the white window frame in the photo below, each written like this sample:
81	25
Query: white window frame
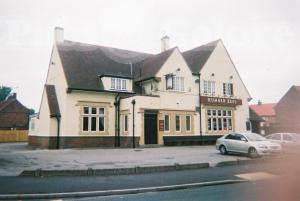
227	89
89	115
209	88
167	115
190	124
118	84
225	117
177	115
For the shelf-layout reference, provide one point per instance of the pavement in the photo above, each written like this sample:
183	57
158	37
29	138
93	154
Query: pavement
16	158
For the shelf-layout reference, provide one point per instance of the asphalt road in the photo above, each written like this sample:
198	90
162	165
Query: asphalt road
26	185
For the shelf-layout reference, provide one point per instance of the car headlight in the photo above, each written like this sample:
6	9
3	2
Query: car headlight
263	146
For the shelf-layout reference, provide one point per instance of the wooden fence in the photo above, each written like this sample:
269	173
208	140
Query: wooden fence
13	136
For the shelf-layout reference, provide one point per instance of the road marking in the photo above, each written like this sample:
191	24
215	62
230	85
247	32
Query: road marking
256	176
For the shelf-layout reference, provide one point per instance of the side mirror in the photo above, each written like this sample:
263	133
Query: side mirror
244	139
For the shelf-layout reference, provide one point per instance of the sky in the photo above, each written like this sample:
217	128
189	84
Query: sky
262	36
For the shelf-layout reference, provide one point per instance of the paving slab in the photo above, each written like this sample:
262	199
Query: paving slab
17	157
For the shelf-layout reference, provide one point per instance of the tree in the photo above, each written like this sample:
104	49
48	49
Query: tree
4	92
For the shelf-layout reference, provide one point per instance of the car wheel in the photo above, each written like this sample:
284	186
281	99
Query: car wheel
223	150
252	152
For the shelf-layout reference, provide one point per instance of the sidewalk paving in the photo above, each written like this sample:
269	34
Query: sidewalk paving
17	157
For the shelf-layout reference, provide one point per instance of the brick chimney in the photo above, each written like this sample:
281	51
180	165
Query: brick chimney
165	43
58	34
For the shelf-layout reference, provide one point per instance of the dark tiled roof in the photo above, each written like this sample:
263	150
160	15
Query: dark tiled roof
150	66
253	116
197	57
52	101
3	104
83	63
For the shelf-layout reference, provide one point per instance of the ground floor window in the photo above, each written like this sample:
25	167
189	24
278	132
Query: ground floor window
219	120
93	119
177	123
167	123
188	123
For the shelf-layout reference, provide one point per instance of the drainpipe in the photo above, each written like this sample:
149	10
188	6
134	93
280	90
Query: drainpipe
133	125
119	101
116	119
58	132
200	116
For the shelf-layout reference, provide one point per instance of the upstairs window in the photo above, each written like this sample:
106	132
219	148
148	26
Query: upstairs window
174	83
209	88
227	89
118	84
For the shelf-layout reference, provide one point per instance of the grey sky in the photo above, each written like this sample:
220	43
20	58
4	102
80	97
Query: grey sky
262	36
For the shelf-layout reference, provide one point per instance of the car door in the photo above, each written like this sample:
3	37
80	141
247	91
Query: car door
229	141
240	144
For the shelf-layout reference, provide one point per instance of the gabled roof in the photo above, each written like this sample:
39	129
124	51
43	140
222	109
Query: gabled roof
197	57
151	65
266	109
291	97
52	101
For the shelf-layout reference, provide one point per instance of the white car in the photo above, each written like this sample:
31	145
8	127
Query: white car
284	138
248	143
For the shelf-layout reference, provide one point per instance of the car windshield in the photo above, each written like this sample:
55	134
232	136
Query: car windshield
254	137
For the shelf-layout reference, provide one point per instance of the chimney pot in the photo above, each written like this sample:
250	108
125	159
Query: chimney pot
58	34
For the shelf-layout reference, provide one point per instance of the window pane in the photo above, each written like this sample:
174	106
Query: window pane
224	124
113	83
214	124
126	123
85	110
101	110
101	123
229	124
118	83
229	113
167	123
219	113
287	137
124	84
214	112
94	110
219	124
93	124
188	123
224	113
85	123
209	112
209	124
177	123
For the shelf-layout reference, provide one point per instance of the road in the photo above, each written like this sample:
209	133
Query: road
277	179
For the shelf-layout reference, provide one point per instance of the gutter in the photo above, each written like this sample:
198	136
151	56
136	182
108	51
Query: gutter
70	89
116	103
58	132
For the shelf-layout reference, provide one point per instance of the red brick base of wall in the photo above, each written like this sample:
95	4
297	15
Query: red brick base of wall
80	142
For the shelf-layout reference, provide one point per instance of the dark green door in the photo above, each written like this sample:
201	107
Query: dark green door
150	128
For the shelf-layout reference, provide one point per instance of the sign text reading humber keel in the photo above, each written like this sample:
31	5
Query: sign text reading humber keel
220	101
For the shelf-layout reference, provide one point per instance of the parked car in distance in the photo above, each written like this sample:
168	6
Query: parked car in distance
247	143
284	138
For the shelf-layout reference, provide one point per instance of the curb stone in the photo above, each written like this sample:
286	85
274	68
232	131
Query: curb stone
113	171
245	162
115	192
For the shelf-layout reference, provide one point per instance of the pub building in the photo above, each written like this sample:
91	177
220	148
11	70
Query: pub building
110	97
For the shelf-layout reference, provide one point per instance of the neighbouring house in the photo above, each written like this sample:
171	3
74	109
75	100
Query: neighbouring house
288	112
97	96
13	115
256	122
267	113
